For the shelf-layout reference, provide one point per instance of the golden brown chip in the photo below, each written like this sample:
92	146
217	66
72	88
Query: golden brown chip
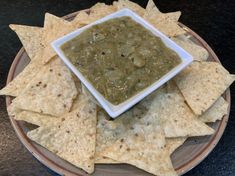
202	83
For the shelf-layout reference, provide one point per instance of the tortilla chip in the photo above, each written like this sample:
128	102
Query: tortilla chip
151	7
30	37
199	53
173	143
130	5
54	27
110	131
81	19
144	148
166	23
51	91
202	83
73	137
216	111
174	116
35	118
18	84
100	10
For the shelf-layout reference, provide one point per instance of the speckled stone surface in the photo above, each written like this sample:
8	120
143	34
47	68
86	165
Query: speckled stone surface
212	20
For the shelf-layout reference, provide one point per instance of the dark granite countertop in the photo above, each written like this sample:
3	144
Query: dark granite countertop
212	20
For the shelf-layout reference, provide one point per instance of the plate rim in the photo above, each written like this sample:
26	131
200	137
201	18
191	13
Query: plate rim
63	171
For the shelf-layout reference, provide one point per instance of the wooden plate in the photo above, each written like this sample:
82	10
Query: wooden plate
191	153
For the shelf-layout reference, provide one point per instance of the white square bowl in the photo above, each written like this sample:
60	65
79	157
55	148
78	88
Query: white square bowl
116	110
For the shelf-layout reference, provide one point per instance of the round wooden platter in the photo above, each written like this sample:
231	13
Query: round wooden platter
186	157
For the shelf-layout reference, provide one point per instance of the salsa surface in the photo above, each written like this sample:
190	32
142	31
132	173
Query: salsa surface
120	57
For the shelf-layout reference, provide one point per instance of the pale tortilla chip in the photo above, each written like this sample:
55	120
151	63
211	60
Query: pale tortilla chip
110	131
199	53
100	10
168	27
30	37
81	19
202	83
51	91
35	118
174	116
165	22
73	138
144	148
173	143
54	27
130	5
151	7
216	111
18	84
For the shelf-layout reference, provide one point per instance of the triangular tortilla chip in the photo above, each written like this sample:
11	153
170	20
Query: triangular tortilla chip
216	111
143	147
18	84
165	22
199	53
151	7
31	38
202	83
51	91
174	116
73	137
130	5
54	27
153	11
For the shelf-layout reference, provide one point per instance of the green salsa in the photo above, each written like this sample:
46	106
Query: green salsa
120	57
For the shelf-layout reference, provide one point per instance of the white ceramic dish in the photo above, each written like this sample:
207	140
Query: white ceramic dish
115	110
